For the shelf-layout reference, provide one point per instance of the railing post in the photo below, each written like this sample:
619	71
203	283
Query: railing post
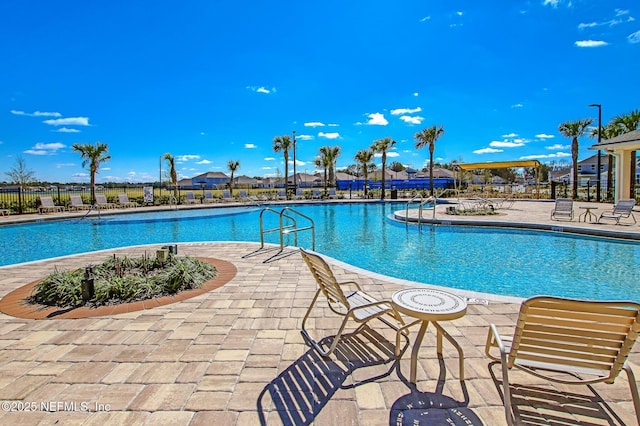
20	199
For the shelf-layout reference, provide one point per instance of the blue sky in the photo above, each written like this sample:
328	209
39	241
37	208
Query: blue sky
213	81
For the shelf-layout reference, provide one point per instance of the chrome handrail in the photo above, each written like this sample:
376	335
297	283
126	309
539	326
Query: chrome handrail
295	229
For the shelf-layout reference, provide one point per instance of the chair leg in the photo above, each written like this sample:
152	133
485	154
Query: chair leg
311	340
634	390
508	409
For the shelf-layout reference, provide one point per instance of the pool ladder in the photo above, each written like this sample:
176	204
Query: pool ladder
422	201
290	228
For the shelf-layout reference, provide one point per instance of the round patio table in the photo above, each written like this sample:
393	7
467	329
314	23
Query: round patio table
588	213
430	305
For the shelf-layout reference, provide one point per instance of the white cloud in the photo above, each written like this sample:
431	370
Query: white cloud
37	114
590	43
66	130
36	152
506	144
45	148
459	13
556	155
187	157
304	137
261	89
80	175
333	125
269	159
332	135
510	135
70	121
589	25
415	94
552	3
402	111
61	165
250	145
411	119
314	124
517	106
634	38
426	18
557	146
203	162
544	136
377	119
487	151
389	154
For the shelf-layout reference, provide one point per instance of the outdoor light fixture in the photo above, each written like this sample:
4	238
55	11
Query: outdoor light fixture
295	186
599	151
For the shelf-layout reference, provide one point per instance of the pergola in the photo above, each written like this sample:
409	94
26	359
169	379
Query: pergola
505	165
621	148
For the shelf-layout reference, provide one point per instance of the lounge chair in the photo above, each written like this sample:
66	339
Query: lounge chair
47	205
356	305
282	194
5	212
123	201
191	199
332	193
226	195
299	194
315	194
76	203
622	209
208	197
101	202
575	342
243	195
563	209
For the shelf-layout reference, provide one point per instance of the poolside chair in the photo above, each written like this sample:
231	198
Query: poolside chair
76	203
123	201
101	202
570	342
315	194
563	209
243	195
208	197
190	198
282	194
47	205
332	193
226	195
624	208
356	305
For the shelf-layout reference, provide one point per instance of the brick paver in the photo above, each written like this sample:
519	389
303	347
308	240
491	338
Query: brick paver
234	355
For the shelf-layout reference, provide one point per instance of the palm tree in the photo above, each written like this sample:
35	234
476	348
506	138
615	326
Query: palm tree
428	137
322	162
574	130
382	146
92	156
283	144
364	157
628	123
232	166
331	154
173	175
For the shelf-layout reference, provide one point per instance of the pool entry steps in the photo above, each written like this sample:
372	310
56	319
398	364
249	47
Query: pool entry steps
288	224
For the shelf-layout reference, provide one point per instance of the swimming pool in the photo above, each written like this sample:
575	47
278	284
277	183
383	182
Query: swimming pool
508	262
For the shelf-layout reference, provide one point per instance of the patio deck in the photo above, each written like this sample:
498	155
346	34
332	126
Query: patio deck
235	355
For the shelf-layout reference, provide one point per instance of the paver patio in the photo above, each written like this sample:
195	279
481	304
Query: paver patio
235	355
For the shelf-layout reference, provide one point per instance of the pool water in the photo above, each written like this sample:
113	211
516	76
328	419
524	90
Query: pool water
507	262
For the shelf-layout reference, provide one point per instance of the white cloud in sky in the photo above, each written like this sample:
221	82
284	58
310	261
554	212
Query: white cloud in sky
203	162
487	151
552	3
426	18
187	157
590	43
61	165
304	137
269	159
634	37
505	144
45	148
376	119
250	145
412	119
538	156
589	25
37	113
544	136
314	124
459	13
557	146
66	130
619	15
261	89
517	106
332	135
510	135
333	125
69	121
416	94
402	111
389	154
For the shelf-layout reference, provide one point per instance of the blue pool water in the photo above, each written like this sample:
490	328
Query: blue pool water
507	262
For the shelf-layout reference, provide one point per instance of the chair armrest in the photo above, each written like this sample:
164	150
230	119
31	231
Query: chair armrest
350	283
494	341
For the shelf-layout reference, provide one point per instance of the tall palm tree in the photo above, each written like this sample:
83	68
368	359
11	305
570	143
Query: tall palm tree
331	153
322	162
364	157
173	175
382	146
283	144
574	130
92	156
428	137
630	122
232	166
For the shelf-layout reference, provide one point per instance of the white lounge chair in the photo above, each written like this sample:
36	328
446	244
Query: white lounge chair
101	202
191	199
563	209
47	205
123	201
226	195
208	197
622	209
76	203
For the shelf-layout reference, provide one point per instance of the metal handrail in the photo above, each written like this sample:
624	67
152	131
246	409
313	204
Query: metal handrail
287	229
423	201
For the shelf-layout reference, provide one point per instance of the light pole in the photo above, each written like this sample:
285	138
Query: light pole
160	191
295	185
598	173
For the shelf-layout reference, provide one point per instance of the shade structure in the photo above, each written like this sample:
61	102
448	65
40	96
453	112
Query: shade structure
499	164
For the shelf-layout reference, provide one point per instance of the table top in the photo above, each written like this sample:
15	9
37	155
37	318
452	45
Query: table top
429	304
588	207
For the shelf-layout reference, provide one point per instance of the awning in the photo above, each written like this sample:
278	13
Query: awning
499	164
